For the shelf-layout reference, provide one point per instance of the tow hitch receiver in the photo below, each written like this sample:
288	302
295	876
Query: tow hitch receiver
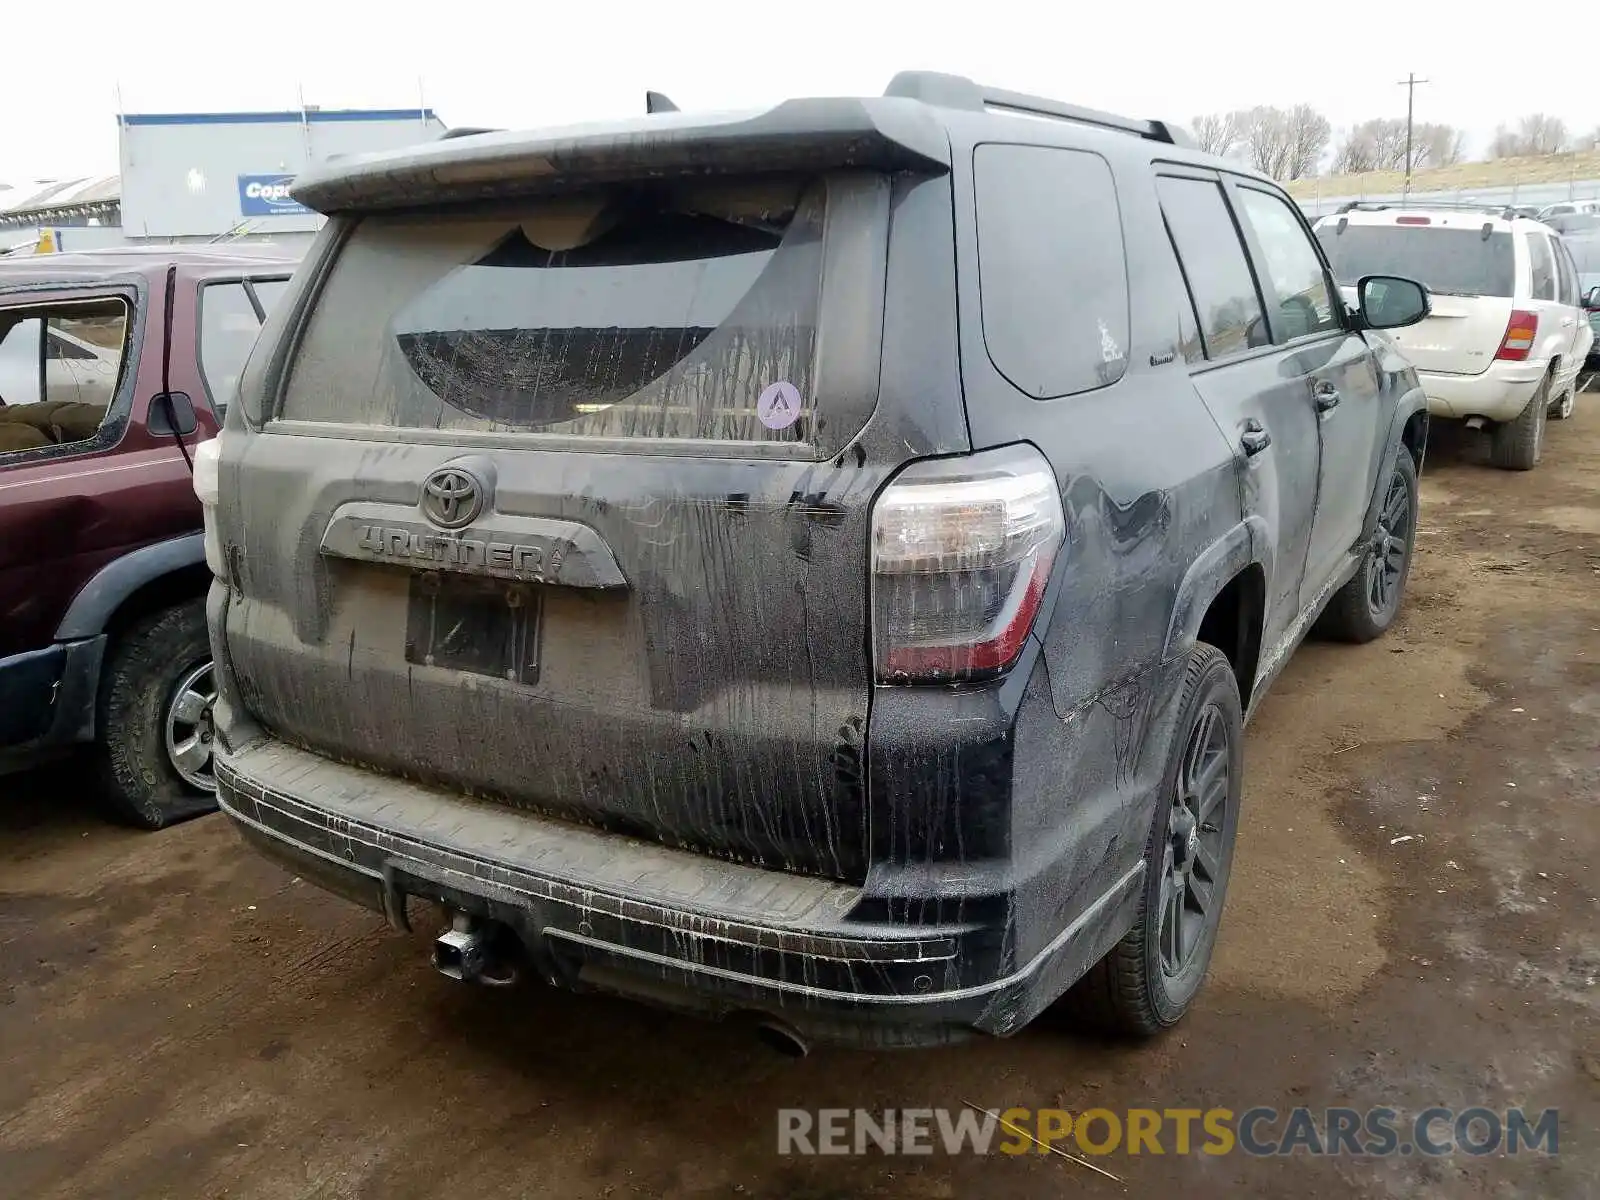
473	951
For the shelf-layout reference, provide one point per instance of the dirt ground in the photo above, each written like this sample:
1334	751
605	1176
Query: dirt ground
179	1018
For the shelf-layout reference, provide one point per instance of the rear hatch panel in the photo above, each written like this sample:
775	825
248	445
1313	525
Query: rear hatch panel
1469	266
657	622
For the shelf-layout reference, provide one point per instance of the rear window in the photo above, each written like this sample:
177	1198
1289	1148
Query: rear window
672	312
1453	262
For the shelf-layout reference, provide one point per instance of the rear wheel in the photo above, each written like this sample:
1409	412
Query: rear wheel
1364	608
156	750
1148	980
1517	445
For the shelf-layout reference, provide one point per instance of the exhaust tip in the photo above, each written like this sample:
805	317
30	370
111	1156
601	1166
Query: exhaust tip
783	1038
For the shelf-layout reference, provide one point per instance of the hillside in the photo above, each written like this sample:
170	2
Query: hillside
1504	172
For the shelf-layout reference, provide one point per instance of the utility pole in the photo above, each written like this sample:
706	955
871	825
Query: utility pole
1410	84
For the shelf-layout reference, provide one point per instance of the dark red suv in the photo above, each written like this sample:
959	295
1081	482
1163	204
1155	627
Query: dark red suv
113	366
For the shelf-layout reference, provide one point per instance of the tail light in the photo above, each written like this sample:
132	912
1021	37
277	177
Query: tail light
1521	331
961	552
207	457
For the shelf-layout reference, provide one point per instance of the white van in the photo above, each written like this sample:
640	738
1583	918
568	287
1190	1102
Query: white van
1507	335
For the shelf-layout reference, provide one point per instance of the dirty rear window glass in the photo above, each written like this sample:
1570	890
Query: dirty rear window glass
681	312
1452	262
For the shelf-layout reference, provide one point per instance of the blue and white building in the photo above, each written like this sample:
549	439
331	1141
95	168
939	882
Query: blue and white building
205	176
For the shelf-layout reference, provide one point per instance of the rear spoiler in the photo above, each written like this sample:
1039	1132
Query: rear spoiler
891	134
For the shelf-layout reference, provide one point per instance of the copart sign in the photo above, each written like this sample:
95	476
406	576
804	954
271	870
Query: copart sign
268	196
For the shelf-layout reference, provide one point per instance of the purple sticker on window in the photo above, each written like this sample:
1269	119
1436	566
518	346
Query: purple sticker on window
779	406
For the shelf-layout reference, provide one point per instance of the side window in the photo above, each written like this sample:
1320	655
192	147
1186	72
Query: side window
1052	277
59	369
1566	275
1214	263
268	293
228	329
1305	302
1544	267
1189	343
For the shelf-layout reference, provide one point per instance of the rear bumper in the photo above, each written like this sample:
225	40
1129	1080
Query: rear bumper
596	910
1499	394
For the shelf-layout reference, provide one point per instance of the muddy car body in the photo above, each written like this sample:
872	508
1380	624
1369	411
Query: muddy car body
648	543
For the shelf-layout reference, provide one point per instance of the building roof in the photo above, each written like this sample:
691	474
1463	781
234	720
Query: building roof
116	261
60	193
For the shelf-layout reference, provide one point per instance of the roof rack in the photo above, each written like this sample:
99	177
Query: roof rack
1506	211
957	91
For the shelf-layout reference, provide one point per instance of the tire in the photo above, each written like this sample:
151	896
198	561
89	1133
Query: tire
1133	990
1364	608
153	674
1518	444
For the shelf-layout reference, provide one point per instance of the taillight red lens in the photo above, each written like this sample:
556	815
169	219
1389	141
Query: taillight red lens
961	553
1521	332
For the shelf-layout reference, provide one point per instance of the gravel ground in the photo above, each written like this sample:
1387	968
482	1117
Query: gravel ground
1413	920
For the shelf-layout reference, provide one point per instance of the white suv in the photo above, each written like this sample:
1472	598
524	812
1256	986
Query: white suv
1507	335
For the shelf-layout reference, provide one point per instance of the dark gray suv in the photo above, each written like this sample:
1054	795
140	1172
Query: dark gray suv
811	566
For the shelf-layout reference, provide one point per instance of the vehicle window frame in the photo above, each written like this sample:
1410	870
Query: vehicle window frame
247	282
1533	277
1568	290
1161	169
1007	370
1232	185
134	296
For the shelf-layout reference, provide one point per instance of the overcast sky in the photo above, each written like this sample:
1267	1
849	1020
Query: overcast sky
484	62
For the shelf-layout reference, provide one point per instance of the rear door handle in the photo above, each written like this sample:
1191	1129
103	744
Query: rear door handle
1255	438
1326	396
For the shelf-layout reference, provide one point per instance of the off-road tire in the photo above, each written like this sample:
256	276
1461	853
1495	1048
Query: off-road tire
1518	444
1350	616
1126	992
144	665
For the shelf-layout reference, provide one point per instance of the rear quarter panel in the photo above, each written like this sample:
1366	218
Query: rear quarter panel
1149	486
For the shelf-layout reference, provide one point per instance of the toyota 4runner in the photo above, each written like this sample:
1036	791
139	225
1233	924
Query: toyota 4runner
811	565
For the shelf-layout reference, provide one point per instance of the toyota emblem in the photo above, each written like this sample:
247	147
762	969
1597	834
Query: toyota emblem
452	498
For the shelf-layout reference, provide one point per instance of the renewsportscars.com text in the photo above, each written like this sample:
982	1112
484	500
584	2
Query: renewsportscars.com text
1260	1132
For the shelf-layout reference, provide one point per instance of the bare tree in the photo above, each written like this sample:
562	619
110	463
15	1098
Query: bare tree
1437	146
1217	133
1380	145
1285	143
1537	133
1375	145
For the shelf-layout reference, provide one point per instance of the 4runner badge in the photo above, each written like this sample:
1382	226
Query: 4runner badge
452	498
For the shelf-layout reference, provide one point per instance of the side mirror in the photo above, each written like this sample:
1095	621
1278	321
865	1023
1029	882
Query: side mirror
1592	300
1390	302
